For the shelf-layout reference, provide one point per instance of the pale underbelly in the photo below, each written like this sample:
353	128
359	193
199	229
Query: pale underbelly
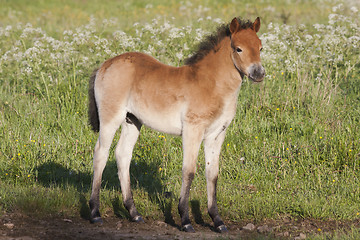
168	121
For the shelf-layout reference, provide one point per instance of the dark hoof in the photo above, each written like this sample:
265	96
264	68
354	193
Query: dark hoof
138	219
96	220
188	228
222	229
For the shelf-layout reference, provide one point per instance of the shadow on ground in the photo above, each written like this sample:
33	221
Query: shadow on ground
52	174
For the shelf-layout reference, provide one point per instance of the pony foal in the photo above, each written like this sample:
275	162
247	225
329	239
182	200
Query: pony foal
196	101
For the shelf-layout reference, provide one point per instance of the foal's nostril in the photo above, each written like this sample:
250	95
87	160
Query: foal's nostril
262	71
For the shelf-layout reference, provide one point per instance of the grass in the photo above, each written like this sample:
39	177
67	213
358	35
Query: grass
61	15
292	149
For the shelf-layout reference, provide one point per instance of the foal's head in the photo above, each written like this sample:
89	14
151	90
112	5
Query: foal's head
246	47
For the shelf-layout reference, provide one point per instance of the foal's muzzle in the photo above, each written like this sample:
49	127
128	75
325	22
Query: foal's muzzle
256	72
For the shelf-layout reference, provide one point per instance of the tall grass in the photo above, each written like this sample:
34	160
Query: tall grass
293	148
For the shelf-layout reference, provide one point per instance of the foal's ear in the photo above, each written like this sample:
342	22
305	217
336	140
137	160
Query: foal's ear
234	25
256	24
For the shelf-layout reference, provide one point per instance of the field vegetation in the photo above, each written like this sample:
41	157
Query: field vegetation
293	149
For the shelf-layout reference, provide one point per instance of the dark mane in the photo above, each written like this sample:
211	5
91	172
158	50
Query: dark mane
210	42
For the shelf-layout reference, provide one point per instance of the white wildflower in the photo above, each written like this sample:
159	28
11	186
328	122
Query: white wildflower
319	27
186	47
155	21
332	18
200	33
19	26
179	55
68	32
217	20
159	43
355	40
151	49
188	29
176	33
339	58
7	30
166	26
354	9
337	7
149	28
108	52
4	57
28	70
308	37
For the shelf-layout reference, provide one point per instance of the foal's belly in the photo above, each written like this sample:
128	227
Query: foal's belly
166	121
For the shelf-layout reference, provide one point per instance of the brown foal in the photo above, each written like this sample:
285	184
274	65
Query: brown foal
196	101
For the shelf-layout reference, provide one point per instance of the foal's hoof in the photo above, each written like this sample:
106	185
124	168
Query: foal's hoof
222	229
96	220
138	219
188	228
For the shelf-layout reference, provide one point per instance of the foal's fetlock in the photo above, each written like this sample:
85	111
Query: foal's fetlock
138	219
221	229
219	225
94	212
96	220
134	214
95	217
186	225
188	228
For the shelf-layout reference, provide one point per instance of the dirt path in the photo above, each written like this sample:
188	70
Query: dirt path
20	227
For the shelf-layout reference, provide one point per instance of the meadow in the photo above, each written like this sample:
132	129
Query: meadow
293	149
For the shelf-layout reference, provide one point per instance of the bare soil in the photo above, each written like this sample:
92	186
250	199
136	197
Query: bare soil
19	226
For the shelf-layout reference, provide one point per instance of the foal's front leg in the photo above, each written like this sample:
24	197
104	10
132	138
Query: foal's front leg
212	148
192	137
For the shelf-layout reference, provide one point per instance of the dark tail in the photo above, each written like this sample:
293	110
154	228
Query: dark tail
93	110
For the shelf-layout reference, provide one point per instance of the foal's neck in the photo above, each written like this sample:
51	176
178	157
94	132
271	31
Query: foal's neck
217	66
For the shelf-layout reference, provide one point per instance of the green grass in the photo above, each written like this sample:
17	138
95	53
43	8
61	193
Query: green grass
293	148
56	16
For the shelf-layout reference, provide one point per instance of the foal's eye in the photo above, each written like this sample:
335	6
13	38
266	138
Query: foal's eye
261	49
238	50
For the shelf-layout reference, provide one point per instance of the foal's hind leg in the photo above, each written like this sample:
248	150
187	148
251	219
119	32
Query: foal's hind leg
192	137
101	153
212	147
129	134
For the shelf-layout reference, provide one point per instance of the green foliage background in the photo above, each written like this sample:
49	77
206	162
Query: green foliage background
292	150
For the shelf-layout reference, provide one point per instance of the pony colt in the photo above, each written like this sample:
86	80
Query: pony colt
196	101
